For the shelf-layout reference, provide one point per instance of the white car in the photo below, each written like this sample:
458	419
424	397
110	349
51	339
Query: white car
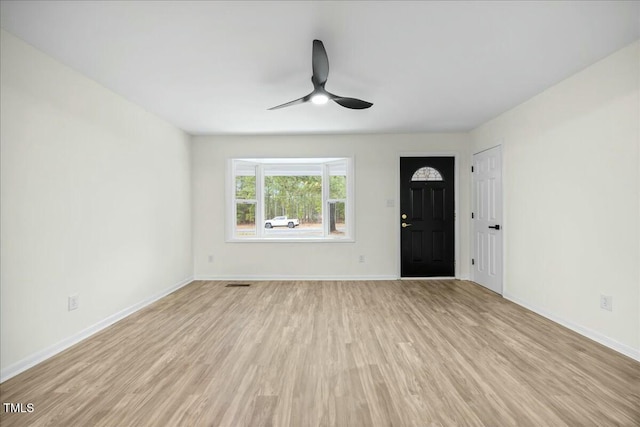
281	221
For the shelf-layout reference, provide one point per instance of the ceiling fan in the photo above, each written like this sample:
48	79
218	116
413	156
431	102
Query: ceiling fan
320	65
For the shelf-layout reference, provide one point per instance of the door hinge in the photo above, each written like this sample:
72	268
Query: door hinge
472	215
471	168
473	261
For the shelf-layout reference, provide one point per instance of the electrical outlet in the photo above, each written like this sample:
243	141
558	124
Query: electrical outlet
361	258
74	302
606	302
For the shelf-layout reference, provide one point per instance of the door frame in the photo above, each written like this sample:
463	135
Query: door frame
456	201
504	224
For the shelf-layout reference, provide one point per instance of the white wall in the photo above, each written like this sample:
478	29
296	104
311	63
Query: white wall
95	201
376	225
572	190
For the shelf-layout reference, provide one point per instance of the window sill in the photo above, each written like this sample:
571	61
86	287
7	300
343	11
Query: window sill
285	240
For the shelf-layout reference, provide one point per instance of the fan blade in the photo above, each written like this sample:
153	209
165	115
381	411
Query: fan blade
294	102
353	103
320	63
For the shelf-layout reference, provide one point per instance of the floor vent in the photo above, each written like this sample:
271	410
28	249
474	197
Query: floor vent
233	285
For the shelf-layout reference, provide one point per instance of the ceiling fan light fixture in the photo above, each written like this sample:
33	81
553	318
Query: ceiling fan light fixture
319	99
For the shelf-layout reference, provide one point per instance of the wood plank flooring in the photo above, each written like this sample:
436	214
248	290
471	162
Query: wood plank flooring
369	353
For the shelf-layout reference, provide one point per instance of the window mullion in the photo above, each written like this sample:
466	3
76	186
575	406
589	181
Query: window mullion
259	201
325	200
350	202
231	188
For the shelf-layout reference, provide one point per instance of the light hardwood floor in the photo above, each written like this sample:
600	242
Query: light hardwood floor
370	353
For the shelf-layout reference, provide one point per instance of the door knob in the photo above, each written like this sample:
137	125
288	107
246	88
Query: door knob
405	225
495	227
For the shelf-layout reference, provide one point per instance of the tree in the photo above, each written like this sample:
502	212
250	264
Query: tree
293	196
246	190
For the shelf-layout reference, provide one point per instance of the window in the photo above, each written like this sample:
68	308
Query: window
290	199
427	174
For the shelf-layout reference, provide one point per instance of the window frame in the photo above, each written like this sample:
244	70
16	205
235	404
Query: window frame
260	163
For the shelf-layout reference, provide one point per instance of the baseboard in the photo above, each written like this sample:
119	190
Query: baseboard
41	356
287	278
593	335
320	278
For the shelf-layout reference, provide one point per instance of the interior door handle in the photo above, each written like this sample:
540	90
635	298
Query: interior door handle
405	225
495	227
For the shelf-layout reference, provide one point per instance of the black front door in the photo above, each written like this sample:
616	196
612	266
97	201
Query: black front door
427	217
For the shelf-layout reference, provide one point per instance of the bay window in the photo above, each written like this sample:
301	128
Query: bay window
290	199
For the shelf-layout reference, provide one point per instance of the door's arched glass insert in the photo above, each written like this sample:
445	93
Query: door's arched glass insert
427	173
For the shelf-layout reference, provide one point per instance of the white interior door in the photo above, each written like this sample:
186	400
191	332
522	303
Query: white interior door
487	219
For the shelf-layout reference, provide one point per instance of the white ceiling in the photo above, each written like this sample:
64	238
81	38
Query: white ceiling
215	67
